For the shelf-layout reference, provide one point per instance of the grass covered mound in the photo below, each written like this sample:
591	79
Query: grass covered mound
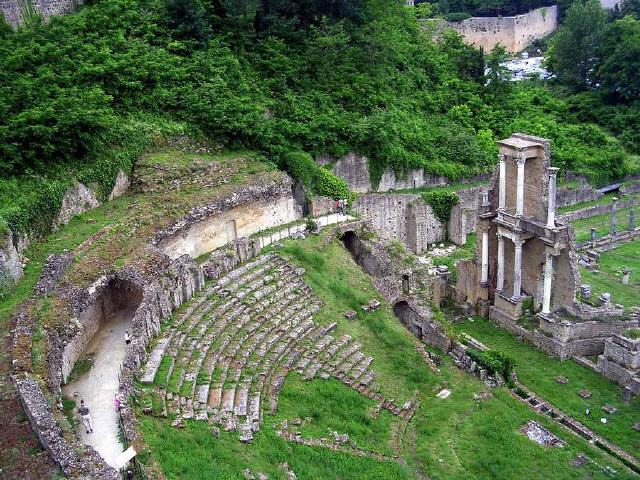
472	434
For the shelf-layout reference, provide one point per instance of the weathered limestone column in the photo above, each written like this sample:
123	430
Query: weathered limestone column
614	216
548	276
517	269
593	237
502	192
551	205
520	185
500	280
632	221
485	258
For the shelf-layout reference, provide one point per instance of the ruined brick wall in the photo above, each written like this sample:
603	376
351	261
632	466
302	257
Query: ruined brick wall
12	9
566	196
595	210
515	33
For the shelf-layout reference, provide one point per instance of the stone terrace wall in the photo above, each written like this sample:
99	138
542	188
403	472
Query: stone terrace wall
12	9
594	210
515	33
241	214
566	196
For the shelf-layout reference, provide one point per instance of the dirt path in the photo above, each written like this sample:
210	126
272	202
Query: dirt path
99	386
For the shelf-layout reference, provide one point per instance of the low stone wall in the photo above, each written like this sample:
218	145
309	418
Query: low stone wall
72	457
609	242
514	33
595	210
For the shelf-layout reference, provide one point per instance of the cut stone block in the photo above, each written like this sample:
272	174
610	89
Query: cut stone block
350	314
562	380
584	394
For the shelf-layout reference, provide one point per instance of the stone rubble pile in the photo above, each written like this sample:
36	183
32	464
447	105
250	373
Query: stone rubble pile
226	356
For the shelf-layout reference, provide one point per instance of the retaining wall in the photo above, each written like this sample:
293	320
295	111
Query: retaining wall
514	33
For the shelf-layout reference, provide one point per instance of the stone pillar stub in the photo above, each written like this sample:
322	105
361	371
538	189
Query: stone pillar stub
548	278
614	216
500	280
520	161
517	269
502	192
484	280
551	203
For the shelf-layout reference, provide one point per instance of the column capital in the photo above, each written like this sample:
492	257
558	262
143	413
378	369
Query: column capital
520	158
502	157
552	171
518	242
614	199
500	235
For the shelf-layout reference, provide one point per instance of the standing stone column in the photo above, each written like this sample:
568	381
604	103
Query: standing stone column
625	276
500	282
614	216
485	258
593	237
548	276
502	192
551	205
520	185
632	221
517	269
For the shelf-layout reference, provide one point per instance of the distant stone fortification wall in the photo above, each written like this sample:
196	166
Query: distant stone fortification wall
515	33
13	9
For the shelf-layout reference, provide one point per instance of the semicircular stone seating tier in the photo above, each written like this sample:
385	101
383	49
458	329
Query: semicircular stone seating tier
226	355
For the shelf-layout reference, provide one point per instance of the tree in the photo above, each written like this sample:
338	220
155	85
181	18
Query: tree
573	55
619	70
188	20
497	76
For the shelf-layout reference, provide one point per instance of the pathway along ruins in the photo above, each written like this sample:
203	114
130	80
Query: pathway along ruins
100	384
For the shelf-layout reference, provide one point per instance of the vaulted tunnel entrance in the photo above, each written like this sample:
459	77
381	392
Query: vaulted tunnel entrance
408	317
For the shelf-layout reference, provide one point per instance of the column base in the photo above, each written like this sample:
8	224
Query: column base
484	284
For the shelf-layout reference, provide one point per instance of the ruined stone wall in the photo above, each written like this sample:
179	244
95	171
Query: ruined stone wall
241	214
401	217
241	221
515	33
12	9
566	196
10	261
595	210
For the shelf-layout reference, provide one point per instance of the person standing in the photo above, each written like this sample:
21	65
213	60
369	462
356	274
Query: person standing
85	416
127	337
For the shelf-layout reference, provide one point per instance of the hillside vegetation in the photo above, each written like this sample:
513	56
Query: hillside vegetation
84	95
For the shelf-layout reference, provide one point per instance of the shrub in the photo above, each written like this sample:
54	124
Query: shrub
317	179
441	202
495	362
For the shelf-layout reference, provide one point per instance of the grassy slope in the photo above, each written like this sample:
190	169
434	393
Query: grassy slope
454	438
537	370
609	278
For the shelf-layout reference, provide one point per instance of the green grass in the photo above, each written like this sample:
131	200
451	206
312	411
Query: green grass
537	370
81	367
602	224
609	276
459	437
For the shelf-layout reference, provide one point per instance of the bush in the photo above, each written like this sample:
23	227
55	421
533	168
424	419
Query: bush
441	202
317	179
495	362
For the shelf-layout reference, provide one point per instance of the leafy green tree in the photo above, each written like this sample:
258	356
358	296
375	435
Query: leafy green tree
498	76
573	53
187	18
619	70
